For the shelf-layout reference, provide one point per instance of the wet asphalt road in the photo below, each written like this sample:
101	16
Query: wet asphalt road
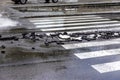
73	69
100	62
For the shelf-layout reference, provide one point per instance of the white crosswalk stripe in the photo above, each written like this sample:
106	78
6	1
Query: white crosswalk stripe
102	67
76	24
83	27
91	44
81	23
107	67
67	17
62	19
68	21
96	54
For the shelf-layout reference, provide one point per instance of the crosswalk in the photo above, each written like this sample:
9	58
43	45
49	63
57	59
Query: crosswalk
86	23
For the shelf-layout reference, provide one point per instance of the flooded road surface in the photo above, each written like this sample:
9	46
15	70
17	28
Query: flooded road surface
92	60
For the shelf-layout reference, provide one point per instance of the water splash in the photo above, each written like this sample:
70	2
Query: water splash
6	23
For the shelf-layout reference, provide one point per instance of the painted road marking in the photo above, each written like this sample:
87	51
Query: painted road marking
90	44
72	19
68	17
82	27
69	21
107	67
75	24
99	22
96	54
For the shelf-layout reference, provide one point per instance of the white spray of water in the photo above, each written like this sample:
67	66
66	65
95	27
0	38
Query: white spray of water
6	23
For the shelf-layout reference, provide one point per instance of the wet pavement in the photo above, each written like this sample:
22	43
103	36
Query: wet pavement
88	60
73	69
